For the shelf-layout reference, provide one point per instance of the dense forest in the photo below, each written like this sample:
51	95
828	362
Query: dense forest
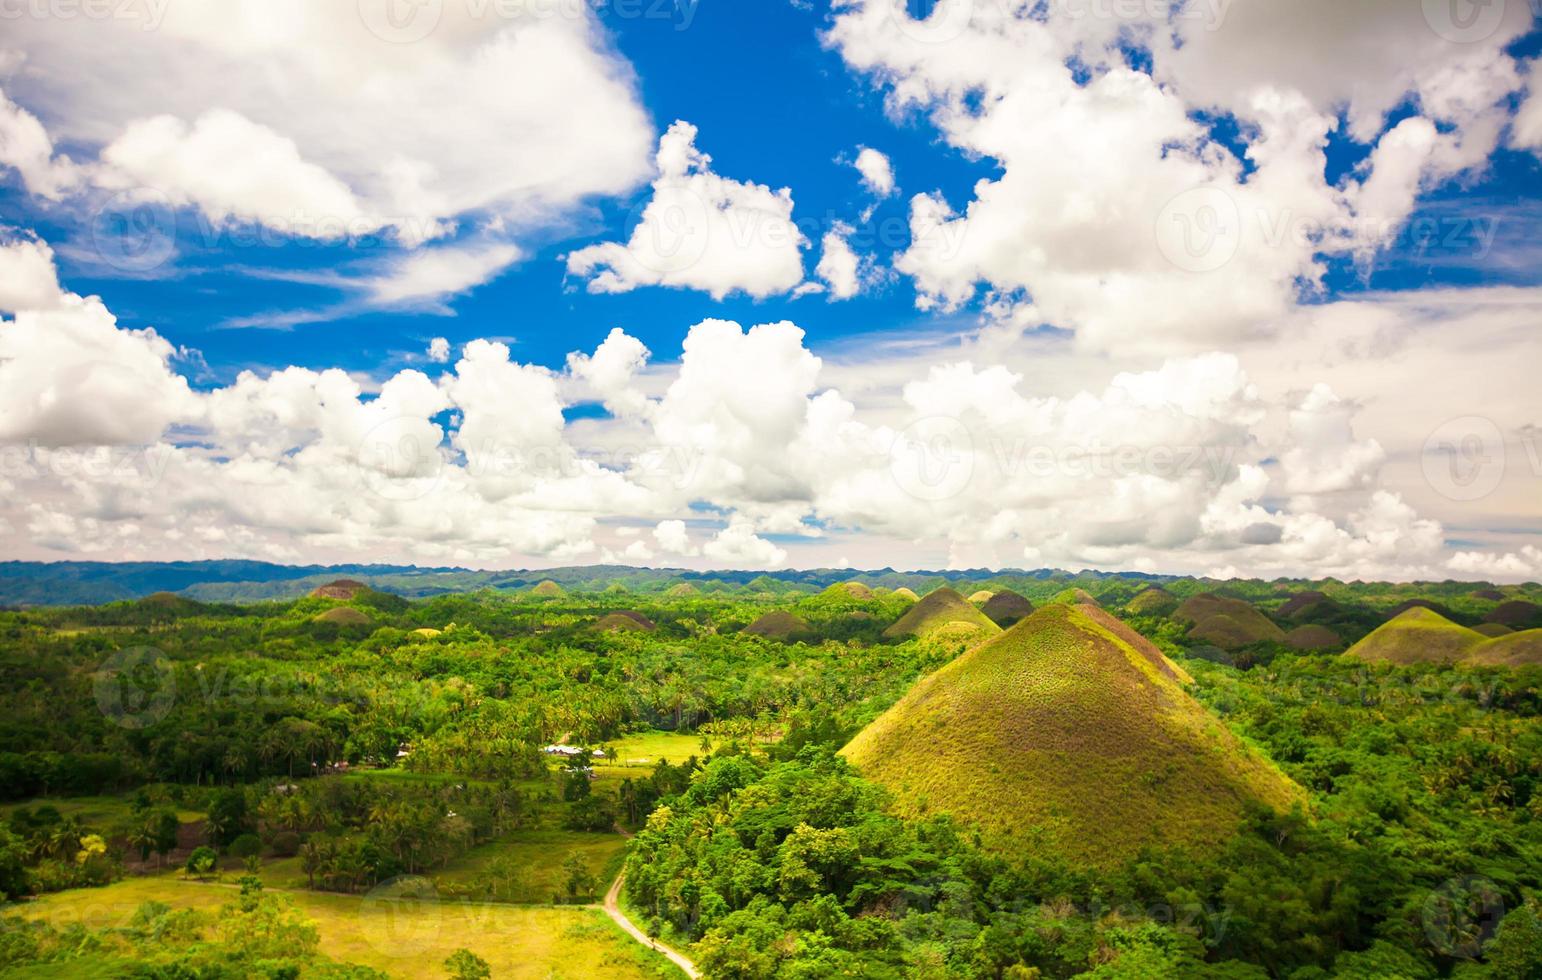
355	737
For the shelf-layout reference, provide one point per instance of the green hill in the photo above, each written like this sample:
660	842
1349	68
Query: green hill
1007	608
1075	596
1518	614
906	593
682	590
781	625
850	590
1303	603
1422	635
1225	622
938	611
625	621
1493	629
342	616
548	590
1069	733
1152	601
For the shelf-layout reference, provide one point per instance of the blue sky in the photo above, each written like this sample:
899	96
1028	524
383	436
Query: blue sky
1409	226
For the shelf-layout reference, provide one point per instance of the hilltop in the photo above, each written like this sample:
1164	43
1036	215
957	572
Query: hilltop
1071	732
1007	608
625	621
939	610
1152	601
1421	635
1225	622
781	625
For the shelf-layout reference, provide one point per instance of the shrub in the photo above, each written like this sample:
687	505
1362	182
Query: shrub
245	846
286	844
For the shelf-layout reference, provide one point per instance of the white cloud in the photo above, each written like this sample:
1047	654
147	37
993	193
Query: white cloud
673	539
71	377
28	280
738	545
1120	260
320	122
877	173
1513	565
840	268
438	350
1325	456
700	231
1526	131
1046	457
26	148
609	372
429	275
235	170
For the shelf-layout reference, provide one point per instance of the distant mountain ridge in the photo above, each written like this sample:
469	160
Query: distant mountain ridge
85	583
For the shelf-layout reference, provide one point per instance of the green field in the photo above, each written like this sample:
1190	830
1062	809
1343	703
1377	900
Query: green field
647	749
536	857
405	937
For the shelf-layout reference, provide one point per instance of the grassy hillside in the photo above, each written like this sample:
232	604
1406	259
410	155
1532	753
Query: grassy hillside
1421	635
1072	732
940	610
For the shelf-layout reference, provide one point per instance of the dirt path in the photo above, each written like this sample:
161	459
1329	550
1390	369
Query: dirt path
613	909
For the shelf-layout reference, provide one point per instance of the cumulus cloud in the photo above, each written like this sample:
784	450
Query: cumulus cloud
739	545
28	280
877	173
1325	456
438	350
673	539
324	124
700	231
842	271
235	170
1179	464
1120	260
610	370
25	147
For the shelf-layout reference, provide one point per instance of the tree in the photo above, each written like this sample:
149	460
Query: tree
201	862
580	880
164	825
14	879
1515	952
463	964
